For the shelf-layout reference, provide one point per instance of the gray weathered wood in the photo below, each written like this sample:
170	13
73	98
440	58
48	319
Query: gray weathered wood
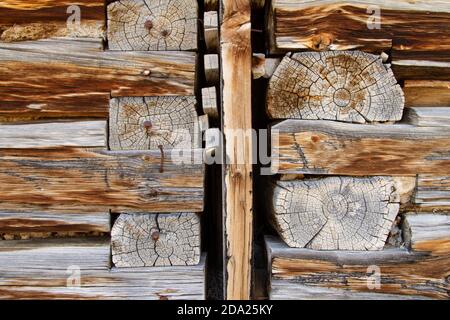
212	73
421	230
211	31
348	86
148	240
152	25
137	123
28	222
53	134
209	102
428	116
335	213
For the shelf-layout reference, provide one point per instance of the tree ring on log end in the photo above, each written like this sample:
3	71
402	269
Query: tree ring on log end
347	86
335	213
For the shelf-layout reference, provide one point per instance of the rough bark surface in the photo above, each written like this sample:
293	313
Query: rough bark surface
346	86
148	240
335	213
152	25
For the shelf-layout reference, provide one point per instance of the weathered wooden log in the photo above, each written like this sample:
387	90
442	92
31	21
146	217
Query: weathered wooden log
387	274
263	67
152	25
209	102
335	213
73	180
348	86
211	31
428	116
236	80
149	240
24	21
326	147
150	123
41	222
91	76
54	134
421	70
214	4
433	191
212	72
427	93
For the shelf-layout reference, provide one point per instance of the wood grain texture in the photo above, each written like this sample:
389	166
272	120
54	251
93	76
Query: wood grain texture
148	123
350	86
30	222
335	213
73	78
209	102
151	240
324	147
74	180
152	25
433	191
33	20
54	134
427	93
211	31
236	58
419	273
212	72
428	116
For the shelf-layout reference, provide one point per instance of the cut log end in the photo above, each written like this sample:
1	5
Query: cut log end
148	240
347	86
335	213
209	99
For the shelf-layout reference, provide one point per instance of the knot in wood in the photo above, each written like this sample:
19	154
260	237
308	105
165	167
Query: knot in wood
155	235
147	124
148	25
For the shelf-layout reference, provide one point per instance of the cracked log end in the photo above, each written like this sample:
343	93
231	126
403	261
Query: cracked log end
335	213
148	240
348	86
152	25
174	123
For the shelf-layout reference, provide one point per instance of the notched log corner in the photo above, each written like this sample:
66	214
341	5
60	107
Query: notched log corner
348	86
335	213
149	240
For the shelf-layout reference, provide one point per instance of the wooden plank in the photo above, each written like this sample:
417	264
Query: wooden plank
55	254
350	86
148	123
325	147
91	76
54	134
428	116
403	274
39	19
427	93
74	180
143	25
335	213
236	59
151	240
158	283
29	222
433	191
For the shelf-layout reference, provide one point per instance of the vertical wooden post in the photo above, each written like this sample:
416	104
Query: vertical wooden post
236	58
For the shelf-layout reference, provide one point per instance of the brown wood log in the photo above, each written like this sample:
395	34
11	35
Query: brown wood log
149	123
31	85
335	213
388	274
326	147
211	31
40	19
144	25
428	116
214	4
348	86
77	180
427	93
236	58
149	240
433	191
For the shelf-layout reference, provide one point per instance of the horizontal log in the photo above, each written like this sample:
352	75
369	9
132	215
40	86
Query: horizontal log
427	93
30	222
325	147
142	25
149	123
31	85
74	180
433	191
389	274
54	134
149	240
33	20
348	86
428	116
421	70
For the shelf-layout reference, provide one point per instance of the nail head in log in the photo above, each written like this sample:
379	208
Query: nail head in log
335	213
348	86
152	25
149	240
138	123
